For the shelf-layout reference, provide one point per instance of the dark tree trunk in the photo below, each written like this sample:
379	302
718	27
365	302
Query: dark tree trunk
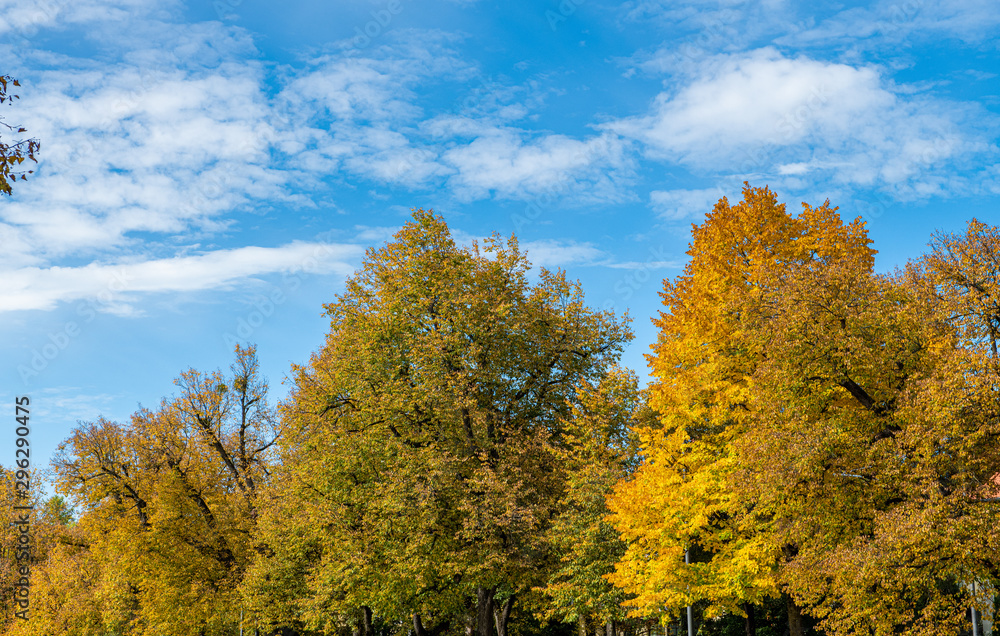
794	618
751	622
419	629
503	616
366	621
484	611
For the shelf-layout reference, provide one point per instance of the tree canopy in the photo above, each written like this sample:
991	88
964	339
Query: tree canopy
825	429
168	506
818	452
423	457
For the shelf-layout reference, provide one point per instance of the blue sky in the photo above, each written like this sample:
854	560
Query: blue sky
212	170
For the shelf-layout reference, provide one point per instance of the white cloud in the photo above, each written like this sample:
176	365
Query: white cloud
551	254
26	18
117	285
180	136
73	403
364	116
888	22
130	150
761	112
356	89
693	30
508	164
354	114
681	205
375	235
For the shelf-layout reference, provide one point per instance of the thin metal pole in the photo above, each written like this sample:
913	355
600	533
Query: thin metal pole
687	559
975	614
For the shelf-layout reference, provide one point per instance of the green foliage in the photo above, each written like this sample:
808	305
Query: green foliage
464	455
601	450
58	511
422	469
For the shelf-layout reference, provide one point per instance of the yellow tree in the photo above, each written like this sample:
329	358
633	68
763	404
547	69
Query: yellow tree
168	506
687	497
849	469
35	531
421	470
19	537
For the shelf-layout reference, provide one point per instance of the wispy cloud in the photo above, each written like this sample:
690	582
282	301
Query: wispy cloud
26	18
512	164
365	116
889	22
129	150
551	253
118	285
682	205
140	150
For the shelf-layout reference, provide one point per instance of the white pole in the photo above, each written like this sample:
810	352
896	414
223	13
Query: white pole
975	614
687	559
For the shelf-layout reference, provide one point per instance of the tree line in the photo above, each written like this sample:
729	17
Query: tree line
819	452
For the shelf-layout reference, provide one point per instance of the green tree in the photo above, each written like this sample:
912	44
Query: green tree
420	475
601	450
58	511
